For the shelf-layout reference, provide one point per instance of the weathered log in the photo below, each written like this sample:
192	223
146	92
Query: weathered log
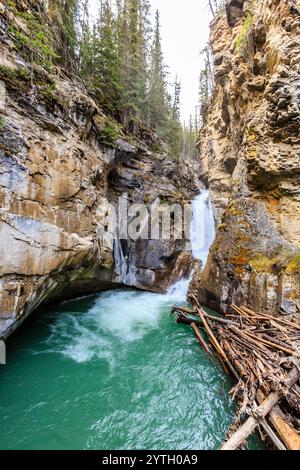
285	430
247	338
181	318
241	435
270	317
287	433
272	436
183	310
200	338
273	345
216	344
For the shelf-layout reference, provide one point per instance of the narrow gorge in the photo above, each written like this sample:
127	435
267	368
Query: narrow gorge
91	144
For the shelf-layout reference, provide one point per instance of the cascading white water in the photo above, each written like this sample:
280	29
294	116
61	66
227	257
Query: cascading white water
203	227
126	273
122	375
202	235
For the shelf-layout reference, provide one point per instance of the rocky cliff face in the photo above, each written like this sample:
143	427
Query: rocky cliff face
57	178
250	158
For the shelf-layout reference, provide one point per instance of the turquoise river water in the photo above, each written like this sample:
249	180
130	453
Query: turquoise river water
112	371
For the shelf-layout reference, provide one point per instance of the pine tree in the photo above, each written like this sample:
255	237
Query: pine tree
87	49
133	30
143	57
113	59
173	132
157	91
108	65
206	80
176	104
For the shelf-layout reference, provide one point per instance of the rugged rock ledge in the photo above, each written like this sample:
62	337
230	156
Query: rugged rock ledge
250	158
56	181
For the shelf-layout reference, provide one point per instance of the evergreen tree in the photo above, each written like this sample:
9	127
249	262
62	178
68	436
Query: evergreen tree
87	49
112	56
174	131
133	28
157	91
205	80
108	65
216	5
176	105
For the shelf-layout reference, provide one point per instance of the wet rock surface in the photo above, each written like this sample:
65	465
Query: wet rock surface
57	179
249	157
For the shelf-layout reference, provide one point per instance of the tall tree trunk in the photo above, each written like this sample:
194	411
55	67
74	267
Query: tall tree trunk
211	7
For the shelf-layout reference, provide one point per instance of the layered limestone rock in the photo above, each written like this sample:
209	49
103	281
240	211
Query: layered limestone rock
250	158
57	180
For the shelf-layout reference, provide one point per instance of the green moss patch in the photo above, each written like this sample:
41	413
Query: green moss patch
15	79
109	131
263	264
293	266
2	123
243	35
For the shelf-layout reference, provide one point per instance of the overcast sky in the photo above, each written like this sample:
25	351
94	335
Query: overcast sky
185	29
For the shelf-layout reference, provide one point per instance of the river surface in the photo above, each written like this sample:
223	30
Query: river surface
114	371
111	372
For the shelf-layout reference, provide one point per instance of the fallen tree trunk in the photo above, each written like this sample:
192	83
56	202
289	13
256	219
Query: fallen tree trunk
216	344
289	436
181	318
241	435
200	338
186	311
272	436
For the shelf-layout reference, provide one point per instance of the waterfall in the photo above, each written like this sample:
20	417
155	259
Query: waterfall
202	234
120	261
125	272
203	227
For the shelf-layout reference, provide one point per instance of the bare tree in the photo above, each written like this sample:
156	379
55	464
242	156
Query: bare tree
211	7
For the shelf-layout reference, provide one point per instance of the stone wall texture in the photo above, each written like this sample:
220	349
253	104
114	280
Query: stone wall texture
57	179
250	158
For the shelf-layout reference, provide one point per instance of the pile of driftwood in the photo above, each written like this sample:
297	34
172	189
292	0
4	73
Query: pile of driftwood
263	355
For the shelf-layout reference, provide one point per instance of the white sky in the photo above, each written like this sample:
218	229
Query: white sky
185	30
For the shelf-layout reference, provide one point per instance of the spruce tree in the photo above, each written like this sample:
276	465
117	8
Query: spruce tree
108	65
157	90
133	30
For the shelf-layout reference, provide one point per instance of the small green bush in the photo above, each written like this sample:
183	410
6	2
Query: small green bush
15	79
109	131
247	24
38	42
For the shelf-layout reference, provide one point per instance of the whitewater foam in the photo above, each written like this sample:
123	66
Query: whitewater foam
127	315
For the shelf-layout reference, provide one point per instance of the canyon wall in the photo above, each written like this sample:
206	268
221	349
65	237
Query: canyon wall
250	158
58	176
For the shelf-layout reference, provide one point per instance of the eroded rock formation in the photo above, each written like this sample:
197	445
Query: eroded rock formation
56	181
250	158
